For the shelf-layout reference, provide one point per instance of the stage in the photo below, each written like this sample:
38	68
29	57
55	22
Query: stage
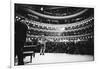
57	58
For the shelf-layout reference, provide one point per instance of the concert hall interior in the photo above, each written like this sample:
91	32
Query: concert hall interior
56	33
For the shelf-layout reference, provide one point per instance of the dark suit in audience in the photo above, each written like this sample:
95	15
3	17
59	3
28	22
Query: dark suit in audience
20	38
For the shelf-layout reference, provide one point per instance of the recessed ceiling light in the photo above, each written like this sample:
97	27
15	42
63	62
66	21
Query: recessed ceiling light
41	8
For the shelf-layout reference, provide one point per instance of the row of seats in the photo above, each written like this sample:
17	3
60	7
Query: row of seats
33	24
60	39
61	33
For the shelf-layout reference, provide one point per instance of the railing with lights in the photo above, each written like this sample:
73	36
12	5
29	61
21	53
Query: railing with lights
76	38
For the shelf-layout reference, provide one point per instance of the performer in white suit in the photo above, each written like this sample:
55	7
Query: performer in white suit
42	42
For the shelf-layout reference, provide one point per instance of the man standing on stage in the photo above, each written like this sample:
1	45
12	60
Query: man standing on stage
42	42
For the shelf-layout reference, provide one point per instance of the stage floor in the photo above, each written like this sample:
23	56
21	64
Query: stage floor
57	58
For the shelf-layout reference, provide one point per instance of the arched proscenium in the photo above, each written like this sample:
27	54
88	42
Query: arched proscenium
56	17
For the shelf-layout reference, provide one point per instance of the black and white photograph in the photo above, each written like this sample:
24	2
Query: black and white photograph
52	34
